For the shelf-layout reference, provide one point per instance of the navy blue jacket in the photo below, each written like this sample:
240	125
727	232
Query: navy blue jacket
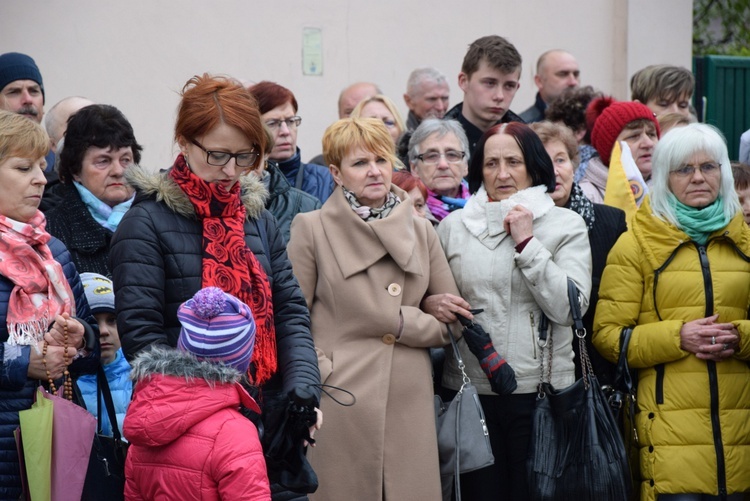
16	389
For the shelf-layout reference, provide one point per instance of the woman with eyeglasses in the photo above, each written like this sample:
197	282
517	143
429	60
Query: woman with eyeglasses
278	108
367	266
382	108
203	223
439	155
680	277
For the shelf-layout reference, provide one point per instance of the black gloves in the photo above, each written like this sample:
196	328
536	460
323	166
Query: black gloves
501	375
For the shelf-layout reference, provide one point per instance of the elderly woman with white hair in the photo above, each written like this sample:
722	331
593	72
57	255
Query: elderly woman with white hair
439	155
680	278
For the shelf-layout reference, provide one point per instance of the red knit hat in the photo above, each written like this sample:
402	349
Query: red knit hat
606	118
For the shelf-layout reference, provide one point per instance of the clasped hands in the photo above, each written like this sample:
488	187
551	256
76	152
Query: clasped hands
709	340
56	352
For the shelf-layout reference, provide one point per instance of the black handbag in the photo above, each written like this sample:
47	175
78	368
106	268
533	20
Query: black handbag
463	438
105	478
576	451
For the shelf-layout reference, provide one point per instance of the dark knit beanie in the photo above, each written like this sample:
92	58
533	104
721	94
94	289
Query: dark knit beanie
15	66
606	118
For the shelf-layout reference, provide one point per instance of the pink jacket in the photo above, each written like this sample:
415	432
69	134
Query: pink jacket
188	438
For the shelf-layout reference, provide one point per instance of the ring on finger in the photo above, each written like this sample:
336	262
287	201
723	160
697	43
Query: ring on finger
713	339
726	346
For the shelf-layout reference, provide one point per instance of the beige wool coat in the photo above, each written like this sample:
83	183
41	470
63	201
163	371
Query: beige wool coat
361	279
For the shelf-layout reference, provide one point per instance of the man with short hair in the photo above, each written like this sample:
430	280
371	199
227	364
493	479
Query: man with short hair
663	88
348	99
57	117
352	95
556	70
427	94
489	78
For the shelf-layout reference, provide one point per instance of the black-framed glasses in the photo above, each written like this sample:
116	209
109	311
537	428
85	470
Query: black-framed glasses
291	123
433	157
221	158
707	169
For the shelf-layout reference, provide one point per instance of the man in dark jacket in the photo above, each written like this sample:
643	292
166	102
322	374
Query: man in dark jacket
556	71
489	78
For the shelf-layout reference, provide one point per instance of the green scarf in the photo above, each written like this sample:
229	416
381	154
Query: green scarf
699	223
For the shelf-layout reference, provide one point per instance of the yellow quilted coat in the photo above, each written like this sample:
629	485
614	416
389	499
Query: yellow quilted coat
692	416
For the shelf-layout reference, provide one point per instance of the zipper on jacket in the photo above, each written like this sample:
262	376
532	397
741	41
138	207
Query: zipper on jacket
533	333
659	383
708	286
713	384
713	380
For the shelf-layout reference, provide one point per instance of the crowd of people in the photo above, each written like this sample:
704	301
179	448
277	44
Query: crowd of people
230	297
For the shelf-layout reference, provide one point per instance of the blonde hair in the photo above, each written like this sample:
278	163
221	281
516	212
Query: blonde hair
348	133
21	137
380	98
550	131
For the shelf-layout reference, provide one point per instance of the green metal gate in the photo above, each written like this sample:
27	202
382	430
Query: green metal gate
722	96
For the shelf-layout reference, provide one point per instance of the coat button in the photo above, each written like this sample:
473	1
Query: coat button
389	338
394	289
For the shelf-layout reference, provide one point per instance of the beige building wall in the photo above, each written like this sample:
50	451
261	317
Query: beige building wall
137	54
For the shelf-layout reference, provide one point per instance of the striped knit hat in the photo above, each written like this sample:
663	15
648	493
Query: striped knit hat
218	327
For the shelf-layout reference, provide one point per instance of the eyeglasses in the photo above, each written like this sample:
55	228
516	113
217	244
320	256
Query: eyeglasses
291	123
433	157
707	169
221	158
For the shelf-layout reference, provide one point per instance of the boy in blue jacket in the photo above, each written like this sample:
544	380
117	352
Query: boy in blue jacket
101	299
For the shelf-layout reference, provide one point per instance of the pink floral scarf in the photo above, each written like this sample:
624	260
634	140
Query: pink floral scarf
41	290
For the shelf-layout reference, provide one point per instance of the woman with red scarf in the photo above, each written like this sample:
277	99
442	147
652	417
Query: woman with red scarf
40	291
203	223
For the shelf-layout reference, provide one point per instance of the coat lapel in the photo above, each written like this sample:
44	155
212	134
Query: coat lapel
357	245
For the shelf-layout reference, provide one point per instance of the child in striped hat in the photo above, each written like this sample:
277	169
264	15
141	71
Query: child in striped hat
184	425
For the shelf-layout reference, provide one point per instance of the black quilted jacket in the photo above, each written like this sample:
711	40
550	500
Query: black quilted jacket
156	259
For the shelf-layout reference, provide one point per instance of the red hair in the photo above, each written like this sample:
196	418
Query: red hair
271	95
209	101
408	181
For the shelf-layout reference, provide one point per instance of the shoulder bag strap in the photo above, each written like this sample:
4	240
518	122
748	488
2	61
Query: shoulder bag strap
459	395
300	176
103	392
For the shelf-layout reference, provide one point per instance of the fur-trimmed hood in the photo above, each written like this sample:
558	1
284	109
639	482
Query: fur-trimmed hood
173	362
162	187
174	392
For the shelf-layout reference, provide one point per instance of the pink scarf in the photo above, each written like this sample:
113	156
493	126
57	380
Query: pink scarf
41	290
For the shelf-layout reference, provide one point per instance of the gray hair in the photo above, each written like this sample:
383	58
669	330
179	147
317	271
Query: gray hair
421	75
441	128
674	150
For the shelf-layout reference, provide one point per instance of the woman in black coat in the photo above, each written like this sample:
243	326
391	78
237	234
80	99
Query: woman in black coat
605	225
203	223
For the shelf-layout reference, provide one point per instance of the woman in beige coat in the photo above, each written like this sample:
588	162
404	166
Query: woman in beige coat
365	265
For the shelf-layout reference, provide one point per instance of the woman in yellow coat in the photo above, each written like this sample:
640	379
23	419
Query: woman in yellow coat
681	278
365	264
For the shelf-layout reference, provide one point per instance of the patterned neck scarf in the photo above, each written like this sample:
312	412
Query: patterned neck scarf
582	205
368	213
585	153
107	216
228	263
41	291
442	206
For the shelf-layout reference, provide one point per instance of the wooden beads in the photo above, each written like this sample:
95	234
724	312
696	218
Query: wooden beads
67	380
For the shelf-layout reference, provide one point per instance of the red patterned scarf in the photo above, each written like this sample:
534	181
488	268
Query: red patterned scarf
228	263
41	291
